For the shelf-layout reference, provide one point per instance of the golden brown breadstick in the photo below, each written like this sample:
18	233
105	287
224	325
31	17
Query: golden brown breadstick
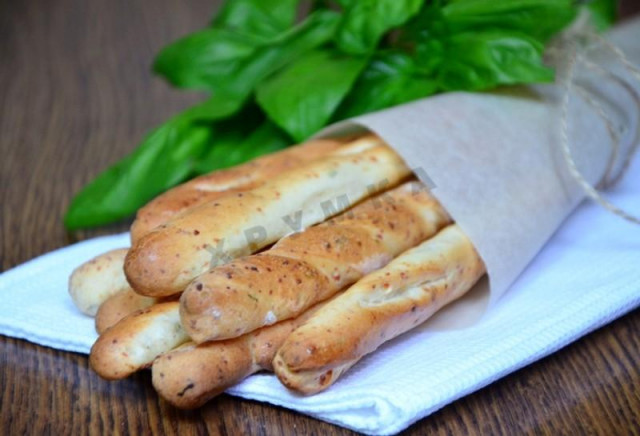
378	308
96	280
134	342
190	375
236	179
164	261
119	306
92	283
310	266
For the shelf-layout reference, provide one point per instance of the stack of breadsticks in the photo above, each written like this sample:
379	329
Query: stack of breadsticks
300	262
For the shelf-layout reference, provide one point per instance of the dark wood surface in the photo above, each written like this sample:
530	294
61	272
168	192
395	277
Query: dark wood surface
76	94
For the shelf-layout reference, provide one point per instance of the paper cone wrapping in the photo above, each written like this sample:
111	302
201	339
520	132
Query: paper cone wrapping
494	161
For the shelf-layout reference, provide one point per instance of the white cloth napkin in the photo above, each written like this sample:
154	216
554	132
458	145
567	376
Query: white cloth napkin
586	276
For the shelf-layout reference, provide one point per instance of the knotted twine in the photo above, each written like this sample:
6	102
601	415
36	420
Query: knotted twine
575	45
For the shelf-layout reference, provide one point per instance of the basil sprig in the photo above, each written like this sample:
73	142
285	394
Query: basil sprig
274	80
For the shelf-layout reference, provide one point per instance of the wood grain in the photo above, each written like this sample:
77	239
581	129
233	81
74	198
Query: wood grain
76	94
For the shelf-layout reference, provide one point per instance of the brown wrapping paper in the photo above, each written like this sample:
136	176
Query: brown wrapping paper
494	161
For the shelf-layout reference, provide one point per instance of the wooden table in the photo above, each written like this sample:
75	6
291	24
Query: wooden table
76	94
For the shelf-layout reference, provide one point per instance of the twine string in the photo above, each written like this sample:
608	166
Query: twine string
635	96
611	130
569	83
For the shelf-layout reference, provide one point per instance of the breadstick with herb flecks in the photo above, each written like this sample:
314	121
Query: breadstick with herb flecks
120	305
239	178
192	374
99	279
136	340
164	261
94	281
379	307
310	266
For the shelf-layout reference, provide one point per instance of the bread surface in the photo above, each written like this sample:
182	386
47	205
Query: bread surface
310	266
214	185
94	281
135	341
190	375
381	306
120	305
166	260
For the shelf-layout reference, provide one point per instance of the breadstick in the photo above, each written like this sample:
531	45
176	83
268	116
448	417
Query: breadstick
119	306
212	186
96	280
191	375
134	342
378	308
310	266
92	283
164	261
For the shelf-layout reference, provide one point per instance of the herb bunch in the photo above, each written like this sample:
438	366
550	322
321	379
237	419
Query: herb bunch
274	80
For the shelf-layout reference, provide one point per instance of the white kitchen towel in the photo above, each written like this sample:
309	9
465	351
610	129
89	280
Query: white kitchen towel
587	275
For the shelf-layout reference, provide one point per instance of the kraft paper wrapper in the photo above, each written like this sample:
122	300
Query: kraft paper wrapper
495	163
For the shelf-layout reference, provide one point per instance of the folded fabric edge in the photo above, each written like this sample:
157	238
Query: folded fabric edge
26	332
341	413
325	411
69	256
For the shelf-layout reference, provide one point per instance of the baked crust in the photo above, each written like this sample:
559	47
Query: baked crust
381	306
164	261
307	267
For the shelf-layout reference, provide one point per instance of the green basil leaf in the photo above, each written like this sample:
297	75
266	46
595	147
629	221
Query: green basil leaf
238	144
197	60
302	97
261	18
166	157
318	29
365	21
390	79
227	63
228	134
215	108
483	60
540	19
